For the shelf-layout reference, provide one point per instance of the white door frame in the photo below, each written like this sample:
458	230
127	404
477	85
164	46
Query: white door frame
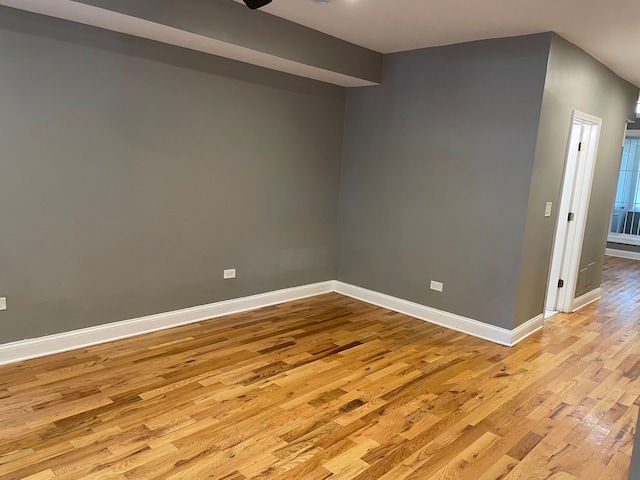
576	192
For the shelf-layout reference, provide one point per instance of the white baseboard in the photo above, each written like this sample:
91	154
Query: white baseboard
466	325
586	299
61	342
612	252
527	328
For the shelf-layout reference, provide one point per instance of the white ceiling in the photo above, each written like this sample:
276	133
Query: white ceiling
607	29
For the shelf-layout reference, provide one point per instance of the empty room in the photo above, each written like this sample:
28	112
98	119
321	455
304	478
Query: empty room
319	239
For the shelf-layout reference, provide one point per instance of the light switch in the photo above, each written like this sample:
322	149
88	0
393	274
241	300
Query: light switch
547	209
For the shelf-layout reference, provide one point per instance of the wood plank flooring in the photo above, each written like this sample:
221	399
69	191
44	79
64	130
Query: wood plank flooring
333	388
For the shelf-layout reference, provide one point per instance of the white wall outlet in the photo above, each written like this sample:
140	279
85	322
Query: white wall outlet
3	303
229	273
547	209
437	286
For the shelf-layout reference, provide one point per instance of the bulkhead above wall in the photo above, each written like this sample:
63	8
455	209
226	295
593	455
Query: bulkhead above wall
226	29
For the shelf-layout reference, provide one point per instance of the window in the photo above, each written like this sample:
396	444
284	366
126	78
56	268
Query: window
626	209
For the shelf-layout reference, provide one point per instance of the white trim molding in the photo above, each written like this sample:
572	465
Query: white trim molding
586	299
526	329
612	252
62	342
459	323
624	238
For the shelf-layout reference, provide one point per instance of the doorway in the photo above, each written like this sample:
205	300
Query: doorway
572	212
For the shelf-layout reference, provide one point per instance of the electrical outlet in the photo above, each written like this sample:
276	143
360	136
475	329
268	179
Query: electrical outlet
3	303
229	273
437	286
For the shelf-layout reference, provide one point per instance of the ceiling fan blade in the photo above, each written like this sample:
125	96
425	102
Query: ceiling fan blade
254	4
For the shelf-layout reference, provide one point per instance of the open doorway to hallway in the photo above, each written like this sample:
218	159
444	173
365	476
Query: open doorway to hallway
624	234
621	285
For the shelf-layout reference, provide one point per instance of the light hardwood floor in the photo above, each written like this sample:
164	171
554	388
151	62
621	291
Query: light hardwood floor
333	388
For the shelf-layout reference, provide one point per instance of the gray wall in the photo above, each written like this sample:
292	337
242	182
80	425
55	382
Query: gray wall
575	80
436	170
133	173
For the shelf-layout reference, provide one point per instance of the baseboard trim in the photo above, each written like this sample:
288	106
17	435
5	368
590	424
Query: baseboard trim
62	342
612	252
459	323
526	329
586	299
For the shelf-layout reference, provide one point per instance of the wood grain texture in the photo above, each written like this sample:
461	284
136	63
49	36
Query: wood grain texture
333	388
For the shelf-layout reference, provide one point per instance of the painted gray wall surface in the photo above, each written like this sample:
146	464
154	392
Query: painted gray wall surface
575	80
133	173
436	171
234	23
